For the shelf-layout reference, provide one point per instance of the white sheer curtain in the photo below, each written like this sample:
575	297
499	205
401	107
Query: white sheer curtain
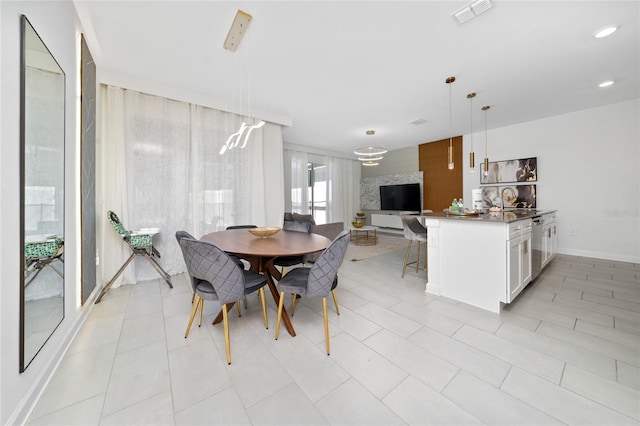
162	168
296	181
342	189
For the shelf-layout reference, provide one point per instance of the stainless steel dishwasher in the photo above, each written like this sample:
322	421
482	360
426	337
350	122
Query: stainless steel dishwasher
536	246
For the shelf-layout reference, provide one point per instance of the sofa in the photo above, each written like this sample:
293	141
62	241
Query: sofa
329	230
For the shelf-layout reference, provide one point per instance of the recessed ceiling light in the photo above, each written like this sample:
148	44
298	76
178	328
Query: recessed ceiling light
605	83
606	31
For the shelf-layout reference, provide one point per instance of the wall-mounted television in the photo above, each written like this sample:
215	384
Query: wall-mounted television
405	197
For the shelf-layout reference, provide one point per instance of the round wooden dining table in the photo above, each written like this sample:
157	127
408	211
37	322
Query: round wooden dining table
261	253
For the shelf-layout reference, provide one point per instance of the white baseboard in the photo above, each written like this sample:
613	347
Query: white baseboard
600	255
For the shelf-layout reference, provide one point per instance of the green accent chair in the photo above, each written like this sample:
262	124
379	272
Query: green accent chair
141	244
40	254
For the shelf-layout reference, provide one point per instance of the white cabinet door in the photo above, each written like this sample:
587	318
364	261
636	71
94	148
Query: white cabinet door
548	242
554	241
514	268
525	258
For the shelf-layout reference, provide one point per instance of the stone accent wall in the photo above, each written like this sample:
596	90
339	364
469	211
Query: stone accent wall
370	187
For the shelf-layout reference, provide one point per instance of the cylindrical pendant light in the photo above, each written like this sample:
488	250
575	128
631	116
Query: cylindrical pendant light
486	142
472	155
449	81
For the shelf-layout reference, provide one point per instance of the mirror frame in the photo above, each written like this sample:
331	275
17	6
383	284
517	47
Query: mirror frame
24	26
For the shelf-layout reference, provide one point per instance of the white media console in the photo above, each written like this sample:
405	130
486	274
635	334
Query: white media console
386	220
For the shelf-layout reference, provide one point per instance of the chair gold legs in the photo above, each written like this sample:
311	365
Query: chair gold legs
335	301
225	321
326	323
193	314
295	297
201	312
417	261
406	258
239	308
324	313
264	307
279	317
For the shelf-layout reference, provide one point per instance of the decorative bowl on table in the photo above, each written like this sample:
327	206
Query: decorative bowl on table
360	214
266	231
357	224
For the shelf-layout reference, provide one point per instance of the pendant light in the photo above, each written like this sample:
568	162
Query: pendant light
370	155
236	32
450	81
472	155
486	143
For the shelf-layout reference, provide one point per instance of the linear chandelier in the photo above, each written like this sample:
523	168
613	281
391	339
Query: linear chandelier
238	28
235	138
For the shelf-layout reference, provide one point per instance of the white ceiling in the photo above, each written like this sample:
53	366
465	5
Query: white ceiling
337	69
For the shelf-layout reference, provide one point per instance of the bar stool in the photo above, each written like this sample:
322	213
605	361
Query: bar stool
414	231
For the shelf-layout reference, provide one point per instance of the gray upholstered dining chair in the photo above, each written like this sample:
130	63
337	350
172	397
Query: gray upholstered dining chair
414	231
237	260
316	281
287	261
179	236
216	276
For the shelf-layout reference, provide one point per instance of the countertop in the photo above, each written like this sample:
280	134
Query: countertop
506	216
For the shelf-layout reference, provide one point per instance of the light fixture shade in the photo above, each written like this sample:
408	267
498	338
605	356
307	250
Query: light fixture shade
450	164
486	142
373	158
472	155
370	150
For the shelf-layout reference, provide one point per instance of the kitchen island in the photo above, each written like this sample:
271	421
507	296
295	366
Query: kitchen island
486	260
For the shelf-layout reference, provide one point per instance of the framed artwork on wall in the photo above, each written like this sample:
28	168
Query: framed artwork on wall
521	170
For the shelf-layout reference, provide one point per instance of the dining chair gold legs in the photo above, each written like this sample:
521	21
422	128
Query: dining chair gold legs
239	308
279	317
264	307
193	314
335	301
225	323
326	322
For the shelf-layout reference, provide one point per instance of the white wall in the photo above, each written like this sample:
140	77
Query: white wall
394	162
59	27
588	169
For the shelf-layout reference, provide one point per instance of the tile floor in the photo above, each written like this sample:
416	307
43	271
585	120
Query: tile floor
566	352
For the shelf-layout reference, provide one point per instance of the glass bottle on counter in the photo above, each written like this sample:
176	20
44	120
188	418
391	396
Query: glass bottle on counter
454	206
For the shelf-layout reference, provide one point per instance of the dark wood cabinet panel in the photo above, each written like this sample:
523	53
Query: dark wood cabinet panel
441	185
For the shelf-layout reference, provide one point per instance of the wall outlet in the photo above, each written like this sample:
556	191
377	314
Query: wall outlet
573	232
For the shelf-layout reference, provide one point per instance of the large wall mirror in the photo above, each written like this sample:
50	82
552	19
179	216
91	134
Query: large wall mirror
41	194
